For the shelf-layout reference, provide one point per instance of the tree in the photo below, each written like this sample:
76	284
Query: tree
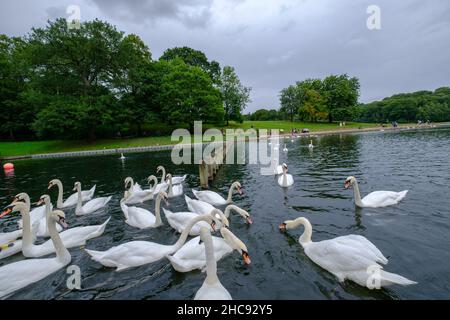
340	92
311	100
194	58
187	94
15	116
85	66
234	95
289	101
312	107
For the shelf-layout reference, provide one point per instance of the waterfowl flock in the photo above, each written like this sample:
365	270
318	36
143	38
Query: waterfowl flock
347	257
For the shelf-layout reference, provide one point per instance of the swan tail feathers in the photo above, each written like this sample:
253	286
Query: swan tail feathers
103	225
167	212
195	193
95	255
402	194
108	199
122	267
92	190
388	278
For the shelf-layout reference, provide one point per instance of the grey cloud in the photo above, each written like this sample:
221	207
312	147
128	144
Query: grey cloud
191	13
274	44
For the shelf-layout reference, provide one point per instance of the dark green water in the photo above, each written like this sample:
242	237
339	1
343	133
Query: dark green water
414	235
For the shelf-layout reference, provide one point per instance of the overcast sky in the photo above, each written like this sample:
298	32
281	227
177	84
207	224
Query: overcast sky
274	43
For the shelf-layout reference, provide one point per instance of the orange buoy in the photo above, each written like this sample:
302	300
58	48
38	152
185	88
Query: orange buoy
8	166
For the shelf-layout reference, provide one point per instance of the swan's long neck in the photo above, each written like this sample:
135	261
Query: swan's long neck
229	208
186	231
59	201
158	221
230	194
358	201
79	201
170	186
27	239
48	210
124	207
211	264
284	178
305	238
62	253
163	174
155	182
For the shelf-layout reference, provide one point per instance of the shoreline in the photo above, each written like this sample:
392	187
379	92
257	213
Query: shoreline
171	146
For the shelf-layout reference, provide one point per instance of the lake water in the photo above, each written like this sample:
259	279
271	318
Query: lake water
414	235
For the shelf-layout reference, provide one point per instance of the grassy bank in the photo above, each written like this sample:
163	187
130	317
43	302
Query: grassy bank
9	149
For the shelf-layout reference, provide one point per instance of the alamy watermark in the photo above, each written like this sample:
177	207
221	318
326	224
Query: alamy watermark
74	280
74	17
210	147
374	20
374	279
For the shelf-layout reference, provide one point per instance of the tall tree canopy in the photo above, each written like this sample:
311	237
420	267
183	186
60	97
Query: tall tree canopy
15	116
235	96
289	101
189	95
83	72
194	58
316	99
340	92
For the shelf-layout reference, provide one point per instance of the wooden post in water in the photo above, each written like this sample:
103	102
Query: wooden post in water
208	171
203	174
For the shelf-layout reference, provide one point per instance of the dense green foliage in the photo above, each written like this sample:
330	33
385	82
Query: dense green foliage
235	96
335	98
332	98
95	81
409	107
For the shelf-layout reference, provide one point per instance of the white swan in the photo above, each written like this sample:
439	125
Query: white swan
6	237
374	199
142	218
311	146
191	256
36	214
74	237
11	247
180	220
174	190
285	180
285	149
90	206
38	218
135	194
211	288
197	206
72	199
138	253
216	199
175	179
17	275
157	187
351	257
122	157
278	169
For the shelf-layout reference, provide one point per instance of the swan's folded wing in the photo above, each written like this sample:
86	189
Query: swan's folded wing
140	216
381	198
338	258
367	247
191	250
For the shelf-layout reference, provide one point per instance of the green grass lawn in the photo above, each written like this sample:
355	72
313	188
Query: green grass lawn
8	149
